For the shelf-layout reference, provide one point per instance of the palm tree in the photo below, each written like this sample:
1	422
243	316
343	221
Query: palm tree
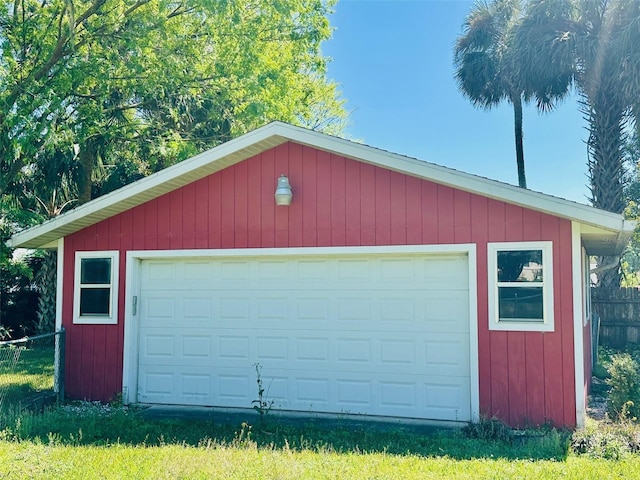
487	69
593	46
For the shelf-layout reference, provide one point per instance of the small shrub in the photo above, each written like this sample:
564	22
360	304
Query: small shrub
607	440
488	429
600	371
624	397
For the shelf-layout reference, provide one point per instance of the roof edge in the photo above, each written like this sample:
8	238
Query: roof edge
276	133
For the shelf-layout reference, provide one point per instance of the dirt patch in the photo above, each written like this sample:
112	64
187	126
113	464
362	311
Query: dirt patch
597	401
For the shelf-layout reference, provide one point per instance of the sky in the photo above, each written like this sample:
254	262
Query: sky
393	60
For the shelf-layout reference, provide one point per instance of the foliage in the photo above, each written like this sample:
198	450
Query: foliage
624	397
261	404
95	84
92	423
19	298
95	94
630	261
487	65
607	440
593	46
491	429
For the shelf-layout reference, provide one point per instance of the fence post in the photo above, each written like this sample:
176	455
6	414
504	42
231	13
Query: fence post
59	364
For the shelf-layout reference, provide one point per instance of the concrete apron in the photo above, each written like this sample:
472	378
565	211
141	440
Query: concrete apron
237	416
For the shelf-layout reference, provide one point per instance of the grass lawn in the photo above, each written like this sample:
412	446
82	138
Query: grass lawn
29	460
33	372
87	441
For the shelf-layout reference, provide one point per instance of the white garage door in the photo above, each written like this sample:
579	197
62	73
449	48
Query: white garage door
384	334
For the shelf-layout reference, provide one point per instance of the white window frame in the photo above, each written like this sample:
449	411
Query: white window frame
546	324
112	317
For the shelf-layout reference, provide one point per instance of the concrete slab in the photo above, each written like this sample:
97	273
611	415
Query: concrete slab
237	416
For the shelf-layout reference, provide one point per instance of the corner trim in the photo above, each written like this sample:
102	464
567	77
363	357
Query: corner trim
59	282
578	338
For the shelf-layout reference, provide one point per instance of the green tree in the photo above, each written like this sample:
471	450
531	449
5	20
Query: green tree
486	67
97	93
159	80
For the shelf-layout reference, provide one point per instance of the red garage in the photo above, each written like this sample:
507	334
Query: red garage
388	286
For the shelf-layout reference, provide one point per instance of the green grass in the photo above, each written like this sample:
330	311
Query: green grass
32	374
88	441
28	460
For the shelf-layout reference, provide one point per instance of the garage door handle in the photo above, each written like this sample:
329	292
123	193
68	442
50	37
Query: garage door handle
134	306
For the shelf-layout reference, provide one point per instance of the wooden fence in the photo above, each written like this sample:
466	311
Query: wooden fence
619	313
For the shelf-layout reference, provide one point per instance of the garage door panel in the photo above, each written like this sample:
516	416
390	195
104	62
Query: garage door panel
448	401
388	394
378	335
233	347
447	355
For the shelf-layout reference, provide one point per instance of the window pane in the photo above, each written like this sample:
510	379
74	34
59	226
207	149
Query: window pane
520	266
522	303
95	270
95	301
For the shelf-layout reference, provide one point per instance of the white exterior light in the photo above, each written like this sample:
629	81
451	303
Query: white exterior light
283	191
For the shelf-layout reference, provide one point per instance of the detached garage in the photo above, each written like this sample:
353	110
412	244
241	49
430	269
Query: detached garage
377	285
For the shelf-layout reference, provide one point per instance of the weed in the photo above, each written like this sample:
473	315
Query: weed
261	405
607	440
243	438
488	429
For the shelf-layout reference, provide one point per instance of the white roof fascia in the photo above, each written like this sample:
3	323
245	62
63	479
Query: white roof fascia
468	182
277	133
153	186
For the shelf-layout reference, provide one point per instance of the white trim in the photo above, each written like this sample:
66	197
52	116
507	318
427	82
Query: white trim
112	317
134	258
578	338
58	325
586	286
59	283
547	323
296	251
277	133
474	369
130	342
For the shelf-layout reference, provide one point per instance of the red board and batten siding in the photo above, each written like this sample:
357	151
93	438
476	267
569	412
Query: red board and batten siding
525	377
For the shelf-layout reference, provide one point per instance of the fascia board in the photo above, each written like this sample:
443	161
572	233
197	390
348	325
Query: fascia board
149	188
277	133
467	182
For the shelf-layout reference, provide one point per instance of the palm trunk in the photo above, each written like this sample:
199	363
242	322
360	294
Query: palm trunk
606	164
46	282
517	114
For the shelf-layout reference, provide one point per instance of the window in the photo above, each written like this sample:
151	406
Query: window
96	288
521	286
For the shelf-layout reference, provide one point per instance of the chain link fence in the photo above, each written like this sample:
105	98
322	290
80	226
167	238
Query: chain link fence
32	372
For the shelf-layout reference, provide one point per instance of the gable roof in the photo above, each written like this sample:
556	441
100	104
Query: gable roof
604	233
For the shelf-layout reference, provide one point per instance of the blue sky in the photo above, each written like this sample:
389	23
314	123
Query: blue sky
394	62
